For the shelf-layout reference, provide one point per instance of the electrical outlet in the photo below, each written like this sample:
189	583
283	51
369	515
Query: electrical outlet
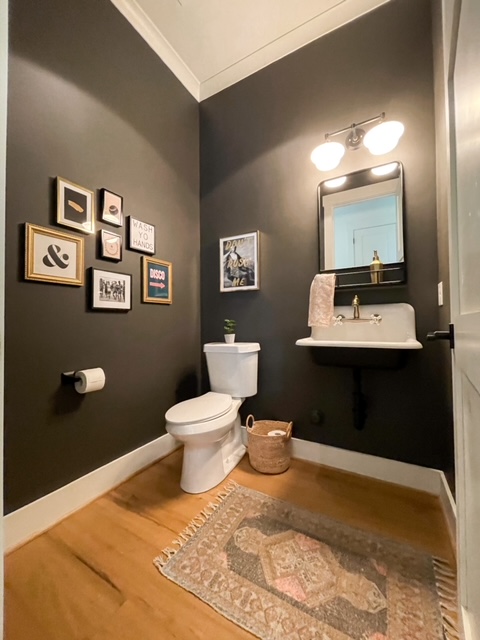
440	294
317	416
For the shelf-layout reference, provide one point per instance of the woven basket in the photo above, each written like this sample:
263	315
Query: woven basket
268	454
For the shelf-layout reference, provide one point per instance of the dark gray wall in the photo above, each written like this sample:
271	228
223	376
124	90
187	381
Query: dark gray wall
256	139
90	101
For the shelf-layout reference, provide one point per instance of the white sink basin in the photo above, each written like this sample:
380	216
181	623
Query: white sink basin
396	330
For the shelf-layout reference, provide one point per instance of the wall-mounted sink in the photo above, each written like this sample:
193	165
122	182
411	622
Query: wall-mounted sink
379	339
381	326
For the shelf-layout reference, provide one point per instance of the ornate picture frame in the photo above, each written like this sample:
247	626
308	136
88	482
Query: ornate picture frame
157	281
53	256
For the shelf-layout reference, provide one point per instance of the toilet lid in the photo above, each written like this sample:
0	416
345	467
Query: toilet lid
207	407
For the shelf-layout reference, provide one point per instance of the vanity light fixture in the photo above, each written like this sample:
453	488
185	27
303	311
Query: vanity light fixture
335	182
381	139
328	155
385	169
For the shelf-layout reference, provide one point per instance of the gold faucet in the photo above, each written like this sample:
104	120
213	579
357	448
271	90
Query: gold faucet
356	308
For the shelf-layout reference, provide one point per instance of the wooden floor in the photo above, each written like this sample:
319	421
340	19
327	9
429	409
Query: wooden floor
91	577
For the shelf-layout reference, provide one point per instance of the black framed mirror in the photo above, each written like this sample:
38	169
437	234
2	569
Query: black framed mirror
361	227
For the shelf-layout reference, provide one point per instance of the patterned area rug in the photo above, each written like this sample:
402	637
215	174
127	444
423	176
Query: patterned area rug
284	573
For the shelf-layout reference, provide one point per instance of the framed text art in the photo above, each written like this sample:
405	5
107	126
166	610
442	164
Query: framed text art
111	291
110	245
239	263
112	207
157	281
141	236
75	206
53	256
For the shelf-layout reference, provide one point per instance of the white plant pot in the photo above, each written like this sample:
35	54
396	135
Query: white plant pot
229	338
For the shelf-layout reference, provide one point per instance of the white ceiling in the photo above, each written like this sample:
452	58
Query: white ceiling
211	44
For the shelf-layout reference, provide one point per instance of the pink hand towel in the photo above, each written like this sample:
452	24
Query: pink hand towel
322	291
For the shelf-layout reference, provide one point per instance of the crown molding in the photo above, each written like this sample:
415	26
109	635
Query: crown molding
334	18
154	38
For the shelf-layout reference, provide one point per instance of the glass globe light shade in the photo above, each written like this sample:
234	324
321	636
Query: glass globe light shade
327	156
335	182
385	169
384	137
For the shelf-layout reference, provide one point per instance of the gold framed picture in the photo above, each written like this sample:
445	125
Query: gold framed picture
75	206
53	256
157	281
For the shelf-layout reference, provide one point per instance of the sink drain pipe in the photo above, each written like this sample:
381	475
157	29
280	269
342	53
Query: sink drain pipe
359	400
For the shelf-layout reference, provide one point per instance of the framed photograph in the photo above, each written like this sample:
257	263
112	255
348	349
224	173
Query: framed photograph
157	281
53	256
112	207
111	290
110	245
141	236
239	263
75	206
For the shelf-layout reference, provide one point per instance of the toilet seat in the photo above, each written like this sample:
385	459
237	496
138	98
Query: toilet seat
207	407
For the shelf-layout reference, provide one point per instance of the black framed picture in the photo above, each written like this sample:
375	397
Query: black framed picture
112	207
110	245
75	206
111	291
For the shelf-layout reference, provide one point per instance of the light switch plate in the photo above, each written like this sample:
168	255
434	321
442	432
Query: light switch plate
440	294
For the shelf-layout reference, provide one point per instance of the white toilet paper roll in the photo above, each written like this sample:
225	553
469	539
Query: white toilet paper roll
90	380
276	432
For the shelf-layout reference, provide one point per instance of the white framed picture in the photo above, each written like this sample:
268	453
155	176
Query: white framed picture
141	236
53	256
111	291
239	263
75	206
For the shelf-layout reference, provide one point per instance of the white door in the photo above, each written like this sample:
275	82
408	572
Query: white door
465	274
3	153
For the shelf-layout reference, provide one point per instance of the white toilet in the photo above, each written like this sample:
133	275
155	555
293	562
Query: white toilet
209	426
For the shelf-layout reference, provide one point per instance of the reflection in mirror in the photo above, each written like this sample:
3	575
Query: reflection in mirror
361	226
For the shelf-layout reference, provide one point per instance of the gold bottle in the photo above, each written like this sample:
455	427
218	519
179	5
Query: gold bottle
376	269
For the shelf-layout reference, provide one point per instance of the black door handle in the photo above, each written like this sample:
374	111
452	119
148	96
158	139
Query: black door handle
443	335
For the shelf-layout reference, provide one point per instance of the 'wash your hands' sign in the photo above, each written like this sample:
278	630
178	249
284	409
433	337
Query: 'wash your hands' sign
142	236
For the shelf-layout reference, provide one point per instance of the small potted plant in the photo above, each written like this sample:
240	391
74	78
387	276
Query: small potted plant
229	328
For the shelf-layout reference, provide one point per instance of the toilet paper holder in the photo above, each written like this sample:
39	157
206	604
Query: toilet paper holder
70	376
85	380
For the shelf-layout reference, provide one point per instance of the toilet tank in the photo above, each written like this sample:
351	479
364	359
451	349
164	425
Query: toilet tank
233	368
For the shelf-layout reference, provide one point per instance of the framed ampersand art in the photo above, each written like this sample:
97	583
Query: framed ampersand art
53	256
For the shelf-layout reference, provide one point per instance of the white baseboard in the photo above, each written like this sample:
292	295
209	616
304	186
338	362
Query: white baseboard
407	475
449	509
401	473
38	516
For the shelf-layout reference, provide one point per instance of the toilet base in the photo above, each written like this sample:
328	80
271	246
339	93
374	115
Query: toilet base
206	466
